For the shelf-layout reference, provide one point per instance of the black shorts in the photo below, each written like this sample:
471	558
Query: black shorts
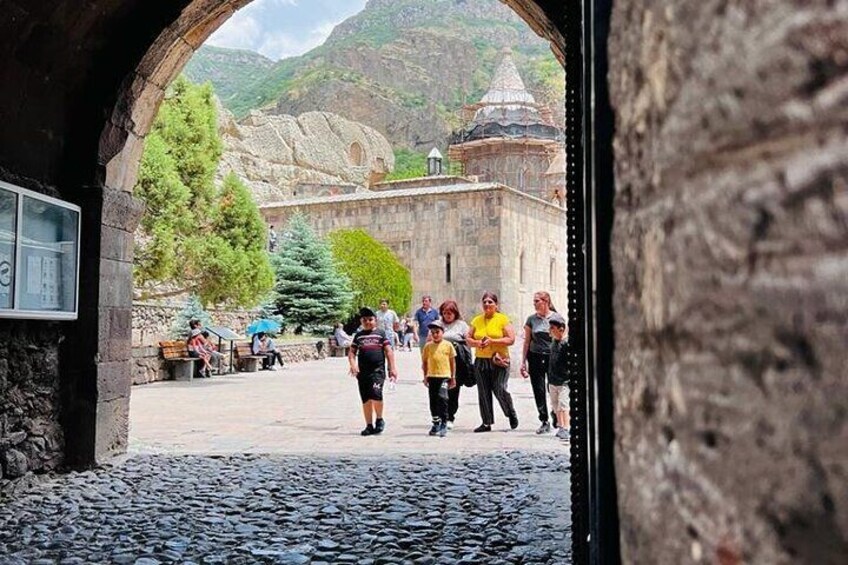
371	386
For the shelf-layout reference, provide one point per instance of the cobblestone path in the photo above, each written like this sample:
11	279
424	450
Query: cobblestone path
420	509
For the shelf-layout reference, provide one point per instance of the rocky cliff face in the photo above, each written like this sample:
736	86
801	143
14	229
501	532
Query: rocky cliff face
275	155
404	67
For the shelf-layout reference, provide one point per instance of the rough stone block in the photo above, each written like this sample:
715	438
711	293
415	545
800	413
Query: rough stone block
116	244
112	426
15	463
121	210
113	380
115	284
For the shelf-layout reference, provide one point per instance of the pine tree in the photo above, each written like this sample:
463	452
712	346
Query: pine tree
374	270
310	291
195	237
193	310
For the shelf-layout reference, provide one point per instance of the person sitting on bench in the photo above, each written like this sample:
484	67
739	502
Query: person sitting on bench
264	345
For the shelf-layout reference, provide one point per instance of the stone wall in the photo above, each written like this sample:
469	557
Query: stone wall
149	367
422	226
730	252
151	323
31	435
514	164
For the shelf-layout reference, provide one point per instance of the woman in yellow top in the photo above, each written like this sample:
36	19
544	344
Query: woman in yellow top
491	333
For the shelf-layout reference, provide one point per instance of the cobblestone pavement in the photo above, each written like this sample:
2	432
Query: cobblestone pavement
483	508
269	467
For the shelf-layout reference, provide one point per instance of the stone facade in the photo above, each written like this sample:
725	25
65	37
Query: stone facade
513	163
483	227
730	253
31	434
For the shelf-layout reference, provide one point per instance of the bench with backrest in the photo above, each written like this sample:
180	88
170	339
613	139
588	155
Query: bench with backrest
180	365
245	359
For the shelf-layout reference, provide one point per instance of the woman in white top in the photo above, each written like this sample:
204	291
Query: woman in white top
455	331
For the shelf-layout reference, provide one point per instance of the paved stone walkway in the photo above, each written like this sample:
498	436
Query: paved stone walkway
270	468
312	408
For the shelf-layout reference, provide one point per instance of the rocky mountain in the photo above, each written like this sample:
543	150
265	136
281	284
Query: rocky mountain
314	154
403	67
230	70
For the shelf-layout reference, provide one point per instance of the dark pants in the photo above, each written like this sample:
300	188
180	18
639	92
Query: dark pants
453	402
492	380
537	366
270	357
438	399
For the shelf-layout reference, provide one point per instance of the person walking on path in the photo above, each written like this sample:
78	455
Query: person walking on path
536	354
439	367
558	376
455	331
388	322
423	316
367	357
491	333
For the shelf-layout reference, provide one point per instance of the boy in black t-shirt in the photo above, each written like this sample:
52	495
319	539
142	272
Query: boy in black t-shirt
558	375
367	357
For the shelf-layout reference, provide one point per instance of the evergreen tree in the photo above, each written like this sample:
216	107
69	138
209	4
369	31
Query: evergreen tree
193	310
374	270
310	291
195	237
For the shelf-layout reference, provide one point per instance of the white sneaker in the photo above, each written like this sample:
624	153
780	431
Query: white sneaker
563	433
450	425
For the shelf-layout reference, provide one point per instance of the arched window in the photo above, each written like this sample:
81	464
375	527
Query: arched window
521	269
448	268
552	274
356	154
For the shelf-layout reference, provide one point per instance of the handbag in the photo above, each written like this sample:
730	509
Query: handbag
500	360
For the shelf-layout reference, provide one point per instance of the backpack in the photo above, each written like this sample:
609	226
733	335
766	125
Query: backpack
465	374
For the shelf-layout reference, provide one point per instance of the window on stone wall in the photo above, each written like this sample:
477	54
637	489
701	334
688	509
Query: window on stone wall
552	274
356	155
448	268
521	269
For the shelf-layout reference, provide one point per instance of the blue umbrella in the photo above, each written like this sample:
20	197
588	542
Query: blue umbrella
264	325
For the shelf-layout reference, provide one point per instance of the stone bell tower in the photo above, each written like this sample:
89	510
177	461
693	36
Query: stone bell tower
509	138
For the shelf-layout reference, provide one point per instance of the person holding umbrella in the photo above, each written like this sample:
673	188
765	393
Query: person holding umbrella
262	344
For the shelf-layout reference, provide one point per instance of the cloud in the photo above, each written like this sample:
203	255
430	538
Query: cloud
281	45
240	32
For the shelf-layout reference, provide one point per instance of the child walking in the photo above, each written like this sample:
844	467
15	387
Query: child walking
558	377
368	353
439	366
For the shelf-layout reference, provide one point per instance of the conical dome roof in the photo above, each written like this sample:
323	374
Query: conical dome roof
507	86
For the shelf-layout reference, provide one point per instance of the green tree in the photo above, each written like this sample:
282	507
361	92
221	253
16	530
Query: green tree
194	236
374	271
193	310
408	165
310	291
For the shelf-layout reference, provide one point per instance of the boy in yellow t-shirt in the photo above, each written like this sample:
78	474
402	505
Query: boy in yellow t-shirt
439	366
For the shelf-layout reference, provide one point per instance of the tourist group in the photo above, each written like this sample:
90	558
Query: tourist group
446	342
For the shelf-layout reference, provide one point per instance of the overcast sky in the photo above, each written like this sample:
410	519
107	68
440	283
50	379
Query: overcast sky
283	28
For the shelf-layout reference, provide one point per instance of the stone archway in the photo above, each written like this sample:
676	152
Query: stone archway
730	159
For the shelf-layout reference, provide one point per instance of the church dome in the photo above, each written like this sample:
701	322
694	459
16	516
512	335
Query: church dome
507	110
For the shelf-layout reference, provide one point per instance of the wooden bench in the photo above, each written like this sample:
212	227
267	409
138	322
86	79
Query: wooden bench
335	349
245	359
180	365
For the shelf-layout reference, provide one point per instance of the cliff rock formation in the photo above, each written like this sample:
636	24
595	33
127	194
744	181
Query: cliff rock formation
278	155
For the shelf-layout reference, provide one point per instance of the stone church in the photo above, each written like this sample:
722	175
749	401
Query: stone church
498	225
